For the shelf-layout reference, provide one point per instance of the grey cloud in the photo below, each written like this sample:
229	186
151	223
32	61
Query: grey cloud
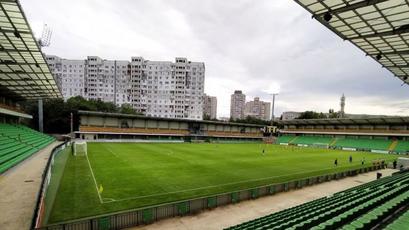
248	45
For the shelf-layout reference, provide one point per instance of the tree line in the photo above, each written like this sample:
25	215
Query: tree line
57	112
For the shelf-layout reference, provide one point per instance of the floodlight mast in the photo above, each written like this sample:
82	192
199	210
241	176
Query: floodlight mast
272	110
45	39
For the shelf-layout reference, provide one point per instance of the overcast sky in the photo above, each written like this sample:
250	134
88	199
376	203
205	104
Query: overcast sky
259	47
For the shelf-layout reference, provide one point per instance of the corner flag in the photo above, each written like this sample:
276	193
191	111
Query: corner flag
101	189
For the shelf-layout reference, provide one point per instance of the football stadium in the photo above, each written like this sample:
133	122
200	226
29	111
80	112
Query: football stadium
116	170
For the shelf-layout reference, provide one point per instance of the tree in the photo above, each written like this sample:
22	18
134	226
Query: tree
333	114
57	113
206	117
311	115
250	120
127	109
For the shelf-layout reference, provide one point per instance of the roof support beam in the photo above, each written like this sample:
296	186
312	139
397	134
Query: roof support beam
397	66
8	1
23	50
3	30
400	52
400	30
354	6
10	62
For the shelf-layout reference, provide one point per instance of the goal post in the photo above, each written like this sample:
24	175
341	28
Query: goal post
80	148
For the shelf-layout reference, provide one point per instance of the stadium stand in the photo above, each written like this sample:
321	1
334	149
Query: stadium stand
351	130
312	140
234	134
285	139
17	143
361	143
133	130
401	222
97	125
361	207
402	147
397	146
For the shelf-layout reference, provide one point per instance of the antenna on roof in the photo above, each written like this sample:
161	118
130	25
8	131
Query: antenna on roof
45	39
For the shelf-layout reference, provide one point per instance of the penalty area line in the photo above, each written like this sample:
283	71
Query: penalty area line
95	181
220	185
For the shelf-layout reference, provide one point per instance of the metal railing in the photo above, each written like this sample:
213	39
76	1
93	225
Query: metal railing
45	181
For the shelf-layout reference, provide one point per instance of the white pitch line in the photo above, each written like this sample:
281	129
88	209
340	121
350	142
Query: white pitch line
95	181
109	149
212	186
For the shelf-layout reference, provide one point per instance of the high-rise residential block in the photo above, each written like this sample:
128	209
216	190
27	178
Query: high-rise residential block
168	89
210	106
107	80
237	104
70	75
258	109
155	88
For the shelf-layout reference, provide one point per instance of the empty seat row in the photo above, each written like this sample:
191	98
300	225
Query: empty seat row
399	146
402	222
18	142
361	207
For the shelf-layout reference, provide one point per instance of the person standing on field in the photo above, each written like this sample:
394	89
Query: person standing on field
336	162
350	158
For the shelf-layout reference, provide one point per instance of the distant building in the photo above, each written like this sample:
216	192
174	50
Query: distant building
342	104
258	109
168	89
154	88
237	104
290	115
107	80
210	106
70	75
93	78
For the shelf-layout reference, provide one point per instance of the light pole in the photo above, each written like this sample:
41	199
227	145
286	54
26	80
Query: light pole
272	110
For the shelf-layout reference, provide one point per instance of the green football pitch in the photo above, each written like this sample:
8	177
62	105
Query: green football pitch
120	176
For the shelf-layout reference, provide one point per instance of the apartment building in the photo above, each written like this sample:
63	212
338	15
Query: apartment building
258	109
155	88
237	104
70	75
107	80
210	106
290	115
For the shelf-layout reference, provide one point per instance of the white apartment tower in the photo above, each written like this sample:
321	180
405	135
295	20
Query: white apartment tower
70	75
167	89
107	80
237	103
155	88
258	109
210	106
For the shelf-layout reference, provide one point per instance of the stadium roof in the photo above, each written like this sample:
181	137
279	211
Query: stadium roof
121	115
23	69
380	28
347	121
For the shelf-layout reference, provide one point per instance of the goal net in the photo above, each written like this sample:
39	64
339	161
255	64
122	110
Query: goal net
80	148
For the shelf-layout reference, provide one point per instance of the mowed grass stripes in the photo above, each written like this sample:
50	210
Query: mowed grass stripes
134	175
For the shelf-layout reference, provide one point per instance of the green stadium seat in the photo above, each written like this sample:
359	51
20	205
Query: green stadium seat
360	207
402	222
361	143
402	147
18	142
